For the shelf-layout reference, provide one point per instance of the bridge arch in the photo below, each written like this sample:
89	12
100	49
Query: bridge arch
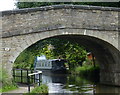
105	53
22	28
87	35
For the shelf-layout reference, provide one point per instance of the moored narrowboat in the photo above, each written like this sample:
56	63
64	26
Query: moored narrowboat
55	65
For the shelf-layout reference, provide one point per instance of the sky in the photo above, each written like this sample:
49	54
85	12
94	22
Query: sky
7	5
10	4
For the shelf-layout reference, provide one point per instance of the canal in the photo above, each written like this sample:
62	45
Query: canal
66	83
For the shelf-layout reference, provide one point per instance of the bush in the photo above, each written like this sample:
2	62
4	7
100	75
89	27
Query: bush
88	71
7	84
40	89
25	60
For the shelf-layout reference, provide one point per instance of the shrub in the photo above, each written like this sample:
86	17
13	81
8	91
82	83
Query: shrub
88	71
40	89
7	84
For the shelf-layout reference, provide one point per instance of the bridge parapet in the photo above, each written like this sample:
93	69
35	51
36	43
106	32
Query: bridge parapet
32	20
54	7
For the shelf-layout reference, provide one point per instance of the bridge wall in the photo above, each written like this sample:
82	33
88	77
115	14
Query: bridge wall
22	28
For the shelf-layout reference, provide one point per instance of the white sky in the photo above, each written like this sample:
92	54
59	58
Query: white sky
10	4
7	5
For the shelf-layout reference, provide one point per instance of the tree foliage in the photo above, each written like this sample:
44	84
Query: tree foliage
52	48
21	5
25	60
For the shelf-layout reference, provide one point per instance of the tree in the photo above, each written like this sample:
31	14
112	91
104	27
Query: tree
65	49
25	60
53	48
75	55
21	5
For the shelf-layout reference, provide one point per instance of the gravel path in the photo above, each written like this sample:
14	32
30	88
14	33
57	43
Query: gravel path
22	89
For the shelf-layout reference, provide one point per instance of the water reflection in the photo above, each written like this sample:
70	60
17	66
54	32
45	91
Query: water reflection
48	77
107	89
61	83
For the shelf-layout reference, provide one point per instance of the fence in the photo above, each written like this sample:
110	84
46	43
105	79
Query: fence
26	76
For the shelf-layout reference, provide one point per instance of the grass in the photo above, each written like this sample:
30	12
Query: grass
0	90
39	90
7	84
8	88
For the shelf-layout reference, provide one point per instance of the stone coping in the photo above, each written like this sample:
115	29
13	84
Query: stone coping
64	6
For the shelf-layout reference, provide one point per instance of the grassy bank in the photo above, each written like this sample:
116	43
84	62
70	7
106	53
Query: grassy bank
8	88
88	71
39	90
7	84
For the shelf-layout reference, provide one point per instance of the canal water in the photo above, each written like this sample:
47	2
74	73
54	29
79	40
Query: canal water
64	83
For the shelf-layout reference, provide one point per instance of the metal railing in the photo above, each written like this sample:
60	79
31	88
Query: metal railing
27	76
37	78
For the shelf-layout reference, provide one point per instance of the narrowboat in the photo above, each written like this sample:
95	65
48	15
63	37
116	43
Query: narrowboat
55	65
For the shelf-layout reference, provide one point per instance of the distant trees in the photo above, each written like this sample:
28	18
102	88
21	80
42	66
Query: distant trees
25	60
53	48
21	5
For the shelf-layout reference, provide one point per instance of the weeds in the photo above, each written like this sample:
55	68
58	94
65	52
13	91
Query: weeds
39	90
7	84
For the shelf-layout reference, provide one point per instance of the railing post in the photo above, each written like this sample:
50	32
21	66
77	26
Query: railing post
34	79
14	74
28	81
39	79
29	84
21	76
32	76
27	74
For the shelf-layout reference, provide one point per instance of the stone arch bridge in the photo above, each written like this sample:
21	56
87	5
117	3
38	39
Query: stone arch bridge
96	28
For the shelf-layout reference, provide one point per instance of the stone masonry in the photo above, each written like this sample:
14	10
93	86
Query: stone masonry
94	27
